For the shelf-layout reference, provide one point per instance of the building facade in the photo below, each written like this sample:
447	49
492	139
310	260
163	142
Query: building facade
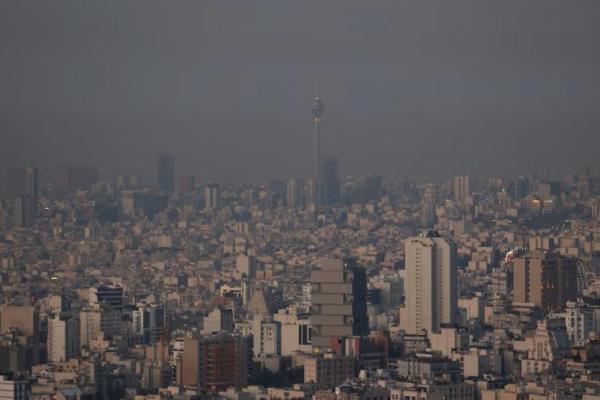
430	285
338	302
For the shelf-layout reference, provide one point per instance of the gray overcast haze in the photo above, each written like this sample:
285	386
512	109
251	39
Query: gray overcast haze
421	88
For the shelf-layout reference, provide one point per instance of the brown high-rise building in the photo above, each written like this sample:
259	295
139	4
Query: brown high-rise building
23	321
188	374
547	280
215	362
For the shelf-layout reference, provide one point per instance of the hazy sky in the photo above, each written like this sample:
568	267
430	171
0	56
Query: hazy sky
427	88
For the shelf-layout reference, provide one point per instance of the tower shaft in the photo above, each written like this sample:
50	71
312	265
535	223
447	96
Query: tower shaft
317	154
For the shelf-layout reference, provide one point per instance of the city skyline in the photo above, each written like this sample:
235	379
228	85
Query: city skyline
267	200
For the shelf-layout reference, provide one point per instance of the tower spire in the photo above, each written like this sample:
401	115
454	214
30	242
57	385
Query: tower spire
317	111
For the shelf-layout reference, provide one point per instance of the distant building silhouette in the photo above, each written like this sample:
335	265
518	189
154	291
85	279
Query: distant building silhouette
212	196
294	189
521	187
406	189
23	216
461	189
330	181
187	184
69	179
166	173
135	202
370	188
23	186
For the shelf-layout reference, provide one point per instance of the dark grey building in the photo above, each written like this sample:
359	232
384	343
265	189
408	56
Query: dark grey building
166	173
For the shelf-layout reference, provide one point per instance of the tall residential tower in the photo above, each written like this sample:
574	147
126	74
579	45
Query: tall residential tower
431	292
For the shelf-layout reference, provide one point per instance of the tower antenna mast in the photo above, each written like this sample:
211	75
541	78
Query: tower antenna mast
317	110
316	81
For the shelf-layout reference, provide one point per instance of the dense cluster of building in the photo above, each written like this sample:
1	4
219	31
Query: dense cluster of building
327	288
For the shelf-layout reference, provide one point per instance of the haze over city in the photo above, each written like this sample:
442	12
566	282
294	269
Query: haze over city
277	200
411	88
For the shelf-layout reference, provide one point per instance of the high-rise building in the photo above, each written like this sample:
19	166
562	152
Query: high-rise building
14	389
392	290
550	343
15	184
63	338
90	326
329	370
461	189
267	337
430	285
149	322
189	363
360	321
72	178
13	356
212	196
293	193
338	302
32	187
295	330
246	265
128	182
98	321
218	320
112	295
579	322
265	300
25	320
134	202
370	188
22	207
331	181
110	320
187	184
406	189
546	279
166	173
521	187
215	362
23	182
23	185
